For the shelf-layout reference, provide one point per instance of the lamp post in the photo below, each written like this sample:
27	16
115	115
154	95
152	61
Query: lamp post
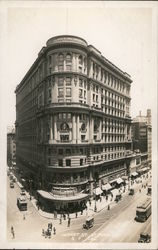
95	206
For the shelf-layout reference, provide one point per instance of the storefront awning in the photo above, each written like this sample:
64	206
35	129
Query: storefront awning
134	174
125	177
106	187
97	191
119	180
142	170
52	197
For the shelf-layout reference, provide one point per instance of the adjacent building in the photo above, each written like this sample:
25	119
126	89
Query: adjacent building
142	136
11	147
73	123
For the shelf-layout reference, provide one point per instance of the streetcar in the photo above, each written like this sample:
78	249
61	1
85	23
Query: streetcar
22	203
149	189
143	210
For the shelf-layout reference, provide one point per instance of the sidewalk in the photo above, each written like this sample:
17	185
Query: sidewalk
100	205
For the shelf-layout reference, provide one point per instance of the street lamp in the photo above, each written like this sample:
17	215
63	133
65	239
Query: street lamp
95	206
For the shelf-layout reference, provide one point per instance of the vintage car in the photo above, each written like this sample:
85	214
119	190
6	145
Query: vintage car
118	197
131	191
144	238
11	184
89	222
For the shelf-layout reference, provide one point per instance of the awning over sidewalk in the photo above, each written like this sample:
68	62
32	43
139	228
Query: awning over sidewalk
142	170
118	180
74	198
125	177
97	191
134	174
106	187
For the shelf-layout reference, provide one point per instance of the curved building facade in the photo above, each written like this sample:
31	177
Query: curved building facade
73	124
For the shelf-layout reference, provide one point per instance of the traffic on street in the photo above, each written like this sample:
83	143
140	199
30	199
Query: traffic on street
114	220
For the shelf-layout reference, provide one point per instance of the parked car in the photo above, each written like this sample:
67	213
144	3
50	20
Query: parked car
144	238
131	191
11	185
22	192
118	197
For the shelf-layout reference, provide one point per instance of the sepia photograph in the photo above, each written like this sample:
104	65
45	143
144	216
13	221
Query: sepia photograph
78	110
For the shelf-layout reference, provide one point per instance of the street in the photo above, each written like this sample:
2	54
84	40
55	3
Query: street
114	225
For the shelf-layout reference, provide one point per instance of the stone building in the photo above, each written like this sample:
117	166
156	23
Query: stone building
73	124
142	135
11	147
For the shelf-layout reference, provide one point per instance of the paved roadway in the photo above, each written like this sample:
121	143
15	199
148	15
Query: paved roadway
115	225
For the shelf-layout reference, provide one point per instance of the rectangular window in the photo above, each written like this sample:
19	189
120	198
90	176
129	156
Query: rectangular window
96	98
80	83
68	151
60	81
60	100
83	137
81	162
97	89
49	161
80	93
68	92
84	94
68	162
60	67
64	138
60	163
60	151
60	92
93	97
68	100
68	115
50	93
68	67
68	81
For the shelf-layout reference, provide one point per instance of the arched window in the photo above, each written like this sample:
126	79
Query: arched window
68	58
61	58
68	61
60	62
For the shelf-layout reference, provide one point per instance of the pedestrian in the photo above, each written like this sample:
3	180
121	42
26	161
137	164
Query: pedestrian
64	216
60	220
68	215
54	229
12	232
30	198
43	232
76	215
108	207
139	190
23	216
81	211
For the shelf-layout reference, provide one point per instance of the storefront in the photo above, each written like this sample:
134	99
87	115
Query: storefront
97	192
61	204
134	175
117	183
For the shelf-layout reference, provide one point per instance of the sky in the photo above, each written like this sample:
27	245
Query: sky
123	34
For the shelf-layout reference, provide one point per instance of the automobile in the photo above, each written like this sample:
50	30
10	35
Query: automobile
118	197
144	238
131	191
89	222
22	192
11	185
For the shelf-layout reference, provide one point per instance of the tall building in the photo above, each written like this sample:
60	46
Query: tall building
142	134
73	124
11	147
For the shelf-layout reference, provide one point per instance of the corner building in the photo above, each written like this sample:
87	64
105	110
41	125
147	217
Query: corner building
73	123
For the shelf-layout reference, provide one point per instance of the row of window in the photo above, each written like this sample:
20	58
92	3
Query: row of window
103	76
